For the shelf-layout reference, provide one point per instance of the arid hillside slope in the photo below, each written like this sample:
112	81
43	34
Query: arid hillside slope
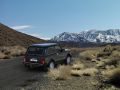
9	37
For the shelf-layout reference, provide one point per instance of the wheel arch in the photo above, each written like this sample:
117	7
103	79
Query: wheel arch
69	55
51	60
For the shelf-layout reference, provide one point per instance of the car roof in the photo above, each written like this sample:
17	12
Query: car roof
44	44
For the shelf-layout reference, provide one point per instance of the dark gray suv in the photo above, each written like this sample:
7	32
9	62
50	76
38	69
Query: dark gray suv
46	55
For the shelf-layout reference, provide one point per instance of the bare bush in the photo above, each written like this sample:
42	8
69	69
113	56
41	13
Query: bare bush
17	51
60	73
77	65
106	62
11	51
112	76
85	72
89	54
2	55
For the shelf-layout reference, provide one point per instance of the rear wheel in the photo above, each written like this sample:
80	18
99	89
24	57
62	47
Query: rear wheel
51	65
68	60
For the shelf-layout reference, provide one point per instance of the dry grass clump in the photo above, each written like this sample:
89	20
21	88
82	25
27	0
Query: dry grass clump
75	51
85	72
110	56
2	55
115	55
78	69
17	51
77	65
106	52
112	76
111	62
100	64
11	51
109	67
103	63
60	73
89	54
90	71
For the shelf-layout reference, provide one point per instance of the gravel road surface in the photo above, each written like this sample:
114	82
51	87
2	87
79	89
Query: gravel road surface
13	73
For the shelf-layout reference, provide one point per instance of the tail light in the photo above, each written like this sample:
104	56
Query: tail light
42	60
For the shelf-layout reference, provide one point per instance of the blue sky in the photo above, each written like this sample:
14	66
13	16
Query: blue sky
47	18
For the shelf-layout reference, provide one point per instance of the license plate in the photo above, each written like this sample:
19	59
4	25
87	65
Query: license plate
33	59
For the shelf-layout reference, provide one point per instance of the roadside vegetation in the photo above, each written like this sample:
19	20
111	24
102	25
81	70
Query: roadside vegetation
61	73
8	52
105	65
91	69
107	62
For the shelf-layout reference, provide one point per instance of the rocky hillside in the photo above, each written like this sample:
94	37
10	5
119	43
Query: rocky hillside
96	36
9	37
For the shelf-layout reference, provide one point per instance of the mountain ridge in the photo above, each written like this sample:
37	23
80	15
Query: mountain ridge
95	36
10	37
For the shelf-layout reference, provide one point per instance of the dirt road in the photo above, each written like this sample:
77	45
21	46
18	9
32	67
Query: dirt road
14	74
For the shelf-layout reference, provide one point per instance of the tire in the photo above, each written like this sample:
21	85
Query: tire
68	60
51	65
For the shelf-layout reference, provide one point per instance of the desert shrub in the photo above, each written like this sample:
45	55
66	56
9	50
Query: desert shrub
89	54
76	51
90	71
109	67
18	51
77	65
117	47
106	62
108	48
11	51
60	73
112	76
85	72
103	54
7	57
100	64
106	52
2	55
15	52
115	55
112	62
7	52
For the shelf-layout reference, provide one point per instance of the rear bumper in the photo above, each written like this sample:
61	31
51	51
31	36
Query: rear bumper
34	64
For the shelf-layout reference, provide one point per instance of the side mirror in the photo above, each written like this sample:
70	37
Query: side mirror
67	49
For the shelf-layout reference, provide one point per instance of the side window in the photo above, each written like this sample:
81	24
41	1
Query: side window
50	50
57	48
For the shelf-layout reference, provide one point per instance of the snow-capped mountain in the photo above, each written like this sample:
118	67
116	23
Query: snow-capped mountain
66	36
107	36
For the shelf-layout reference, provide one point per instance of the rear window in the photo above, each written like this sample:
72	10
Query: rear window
35	50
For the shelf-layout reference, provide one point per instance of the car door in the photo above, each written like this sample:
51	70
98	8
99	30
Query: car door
60	53
52	54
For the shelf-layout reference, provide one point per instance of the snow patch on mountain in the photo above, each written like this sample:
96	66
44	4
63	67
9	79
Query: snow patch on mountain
108	36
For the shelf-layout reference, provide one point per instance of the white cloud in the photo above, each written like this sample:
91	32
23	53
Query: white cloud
21	27
39	36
